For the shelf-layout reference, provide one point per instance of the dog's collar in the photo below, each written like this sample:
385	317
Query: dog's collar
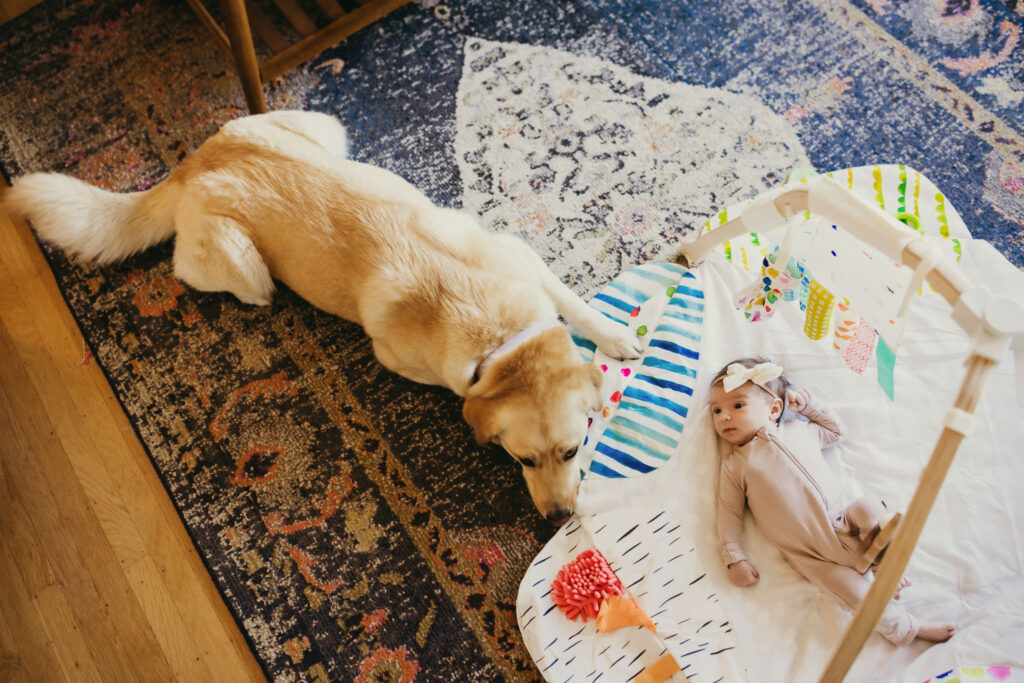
514	342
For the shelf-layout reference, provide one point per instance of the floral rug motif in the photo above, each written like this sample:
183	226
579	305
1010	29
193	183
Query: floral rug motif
352	525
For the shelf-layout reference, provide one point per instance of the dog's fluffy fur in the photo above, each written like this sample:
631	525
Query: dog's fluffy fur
274	197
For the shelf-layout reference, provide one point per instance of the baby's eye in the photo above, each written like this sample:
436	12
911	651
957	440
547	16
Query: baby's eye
737	406
716	411
527	462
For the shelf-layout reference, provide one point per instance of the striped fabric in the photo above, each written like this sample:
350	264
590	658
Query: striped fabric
646	401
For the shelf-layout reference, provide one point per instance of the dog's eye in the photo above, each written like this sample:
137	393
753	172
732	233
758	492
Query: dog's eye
527	462
569	454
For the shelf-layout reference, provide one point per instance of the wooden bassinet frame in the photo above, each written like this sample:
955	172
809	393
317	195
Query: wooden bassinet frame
992	322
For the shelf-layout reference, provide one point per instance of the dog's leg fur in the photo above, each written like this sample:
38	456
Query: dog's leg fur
612	338
215	255
391	361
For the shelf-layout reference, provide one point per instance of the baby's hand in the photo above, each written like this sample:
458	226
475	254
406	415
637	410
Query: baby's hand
743	573
798	399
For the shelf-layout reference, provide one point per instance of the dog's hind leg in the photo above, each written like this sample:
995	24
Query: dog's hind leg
213	254
322	130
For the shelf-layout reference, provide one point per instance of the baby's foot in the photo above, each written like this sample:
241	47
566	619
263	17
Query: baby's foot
936	631
904	582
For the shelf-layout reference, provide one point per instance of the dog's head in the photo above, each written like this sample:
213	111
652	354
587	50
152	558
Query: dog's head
534	402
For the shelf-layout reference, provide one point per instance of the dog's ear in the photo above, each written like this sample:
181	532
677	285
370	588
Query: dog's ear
595	378
481	415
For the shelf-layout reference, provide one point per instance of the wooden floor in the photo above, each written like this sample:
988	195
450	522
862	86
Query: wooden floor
12	8
98	578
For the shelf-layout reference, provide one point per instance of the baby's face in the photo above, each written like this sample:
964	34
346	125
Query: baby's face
740	413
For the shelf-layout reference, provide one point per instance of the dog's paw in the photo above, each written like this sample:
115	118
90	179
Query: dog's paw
618	341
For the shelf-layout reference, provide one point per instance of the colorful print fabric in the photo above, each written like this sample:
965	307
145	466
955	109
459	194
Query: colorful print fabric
647	400
849	291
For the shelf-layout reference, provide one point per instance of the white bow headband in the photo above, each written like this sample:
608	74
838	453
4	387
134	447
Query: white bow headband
736	375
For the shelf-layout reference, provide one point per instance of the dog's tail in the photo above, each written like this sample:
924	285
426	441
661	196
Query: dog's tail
96	224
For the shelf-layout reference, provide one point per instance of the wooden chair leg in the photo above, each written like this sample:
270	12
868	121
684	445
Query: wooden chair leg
898	555
246	64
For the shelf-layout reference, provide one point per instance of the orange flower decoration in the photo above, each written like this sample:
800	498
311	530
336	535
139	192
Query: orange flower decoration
582	584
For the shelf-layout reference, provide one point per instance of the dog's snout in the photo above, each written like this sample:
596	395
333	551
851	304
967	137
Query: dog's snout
559	516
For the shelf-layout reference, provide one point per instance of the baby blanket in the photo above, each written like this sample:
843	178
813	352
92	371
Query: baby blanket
647	501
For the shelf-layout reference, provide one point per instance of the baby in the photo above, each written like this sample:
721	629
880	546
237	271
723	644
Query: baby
778	470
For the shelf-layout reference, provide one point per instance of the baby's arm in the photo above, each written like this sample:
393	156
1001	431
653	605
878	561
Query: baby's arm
732	502
831	430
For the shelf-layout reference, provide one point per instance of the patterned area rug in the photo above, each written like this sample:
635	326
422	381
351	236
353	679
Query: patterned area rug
355	530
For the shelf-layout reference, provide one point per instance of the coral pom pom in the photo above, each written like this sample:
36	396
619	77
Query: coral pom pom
582	584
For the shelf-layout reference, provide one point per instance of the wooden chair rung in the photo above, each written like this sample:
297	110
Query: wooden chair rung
331	8
296	17
211	24
337	30
265	29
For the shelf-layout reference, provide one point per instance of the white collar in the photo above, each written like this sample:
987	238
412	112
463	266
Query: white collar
514	342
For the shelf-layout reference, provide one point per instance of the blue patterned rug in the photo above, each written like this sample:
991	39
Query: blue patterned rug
354	529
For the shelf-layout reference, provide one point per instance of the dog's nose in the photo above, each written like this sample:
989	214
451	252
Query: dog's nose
559	516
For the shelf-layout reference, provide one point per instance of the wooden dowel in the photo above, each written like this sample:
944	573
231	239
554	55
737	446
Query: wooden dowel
945	278
211	24
246	64
890	571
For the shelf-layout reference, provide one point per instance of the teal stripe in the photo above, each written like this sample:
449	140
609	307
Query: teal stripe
647	432
689	291
618	320
636	294
676	315
623	458
615	303
604	471
672	329
652	414
660	401
686	303
672	347
654	362
654	277
645	448
666	384
671	267
584	343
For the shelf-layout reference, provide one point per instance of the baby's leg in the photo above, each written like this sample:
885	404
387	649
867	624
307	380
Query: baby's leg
860	519
935	631
866	528
895	625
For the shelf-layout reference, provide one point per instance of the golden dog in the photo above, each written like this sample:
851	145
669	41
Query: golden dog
443	301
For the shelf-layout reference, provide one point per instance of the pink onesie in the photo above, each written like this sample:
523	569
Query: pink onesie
794	497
